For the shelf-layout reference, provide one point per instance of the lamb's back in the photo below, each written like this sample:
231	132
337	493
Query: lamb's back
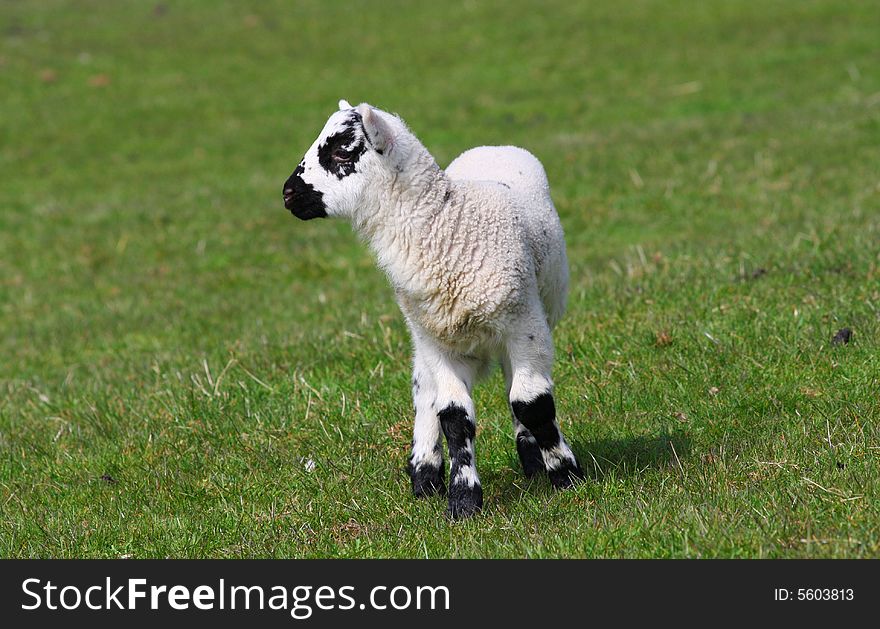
525	180
511	166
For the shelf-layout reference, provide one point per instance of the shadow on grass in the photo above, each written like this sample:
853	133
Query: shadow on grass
632	455
600	458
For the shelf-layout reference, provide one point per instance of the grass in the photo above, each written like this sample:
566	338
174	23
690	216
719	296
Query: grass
187	371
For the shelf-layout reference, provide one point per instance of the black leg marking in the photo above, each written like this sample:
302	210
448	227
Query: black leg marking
465	499
529	454
427	479
566	475
539	417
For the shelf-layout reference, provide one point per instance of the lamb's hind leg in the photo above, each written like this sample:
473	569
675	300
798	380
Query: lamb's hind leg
526	445
530	356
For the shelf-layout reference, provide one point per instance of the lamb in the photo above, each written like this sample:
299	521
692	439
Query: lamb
476	257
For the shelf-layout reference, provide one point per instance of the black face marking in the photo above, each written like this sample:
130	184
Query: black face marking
367	137
340	152
301	198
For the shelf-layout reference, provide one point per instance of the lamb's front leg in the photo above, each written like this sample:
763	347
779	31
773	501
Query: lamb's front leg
442	387
455	409
465	491
426	461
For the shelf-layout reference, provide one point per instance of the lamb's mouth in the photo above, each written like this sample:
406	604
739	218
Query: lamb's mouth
305	206
303	200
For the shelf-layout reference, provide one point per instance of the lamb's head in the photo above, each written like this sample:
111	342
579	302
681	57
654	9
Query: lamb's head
356	156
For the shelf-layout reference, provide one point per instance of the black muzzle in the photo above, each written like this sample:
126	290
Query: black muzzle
302	199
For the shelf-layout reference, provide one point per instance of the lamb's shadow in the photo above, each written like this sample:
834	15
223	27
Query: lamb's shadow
601	458
632	455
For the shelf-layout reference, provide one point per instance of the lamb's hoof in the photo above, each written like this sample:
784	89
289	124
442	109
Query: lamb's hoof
530	457
464	501
427	481
566	475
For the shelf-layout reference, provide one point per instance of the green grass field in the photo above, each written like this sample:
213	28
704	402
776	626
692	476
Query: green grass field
186	370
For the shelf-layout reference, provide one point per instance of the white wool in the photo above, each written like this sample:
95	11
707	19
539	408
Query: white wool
470	251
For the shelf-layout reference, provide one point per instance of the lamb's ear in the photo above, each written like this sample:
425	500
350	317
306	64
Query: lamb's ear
378	131
344	104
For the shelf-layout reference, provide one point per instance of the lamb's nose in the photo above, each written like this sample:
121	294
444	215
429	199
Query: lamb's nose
288	197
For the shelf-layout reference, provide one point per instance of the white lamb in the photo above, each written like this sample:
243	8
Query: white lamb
476	257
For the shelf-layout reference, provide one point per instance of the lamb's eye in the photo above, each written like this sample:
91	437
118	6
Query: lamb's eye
342	156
